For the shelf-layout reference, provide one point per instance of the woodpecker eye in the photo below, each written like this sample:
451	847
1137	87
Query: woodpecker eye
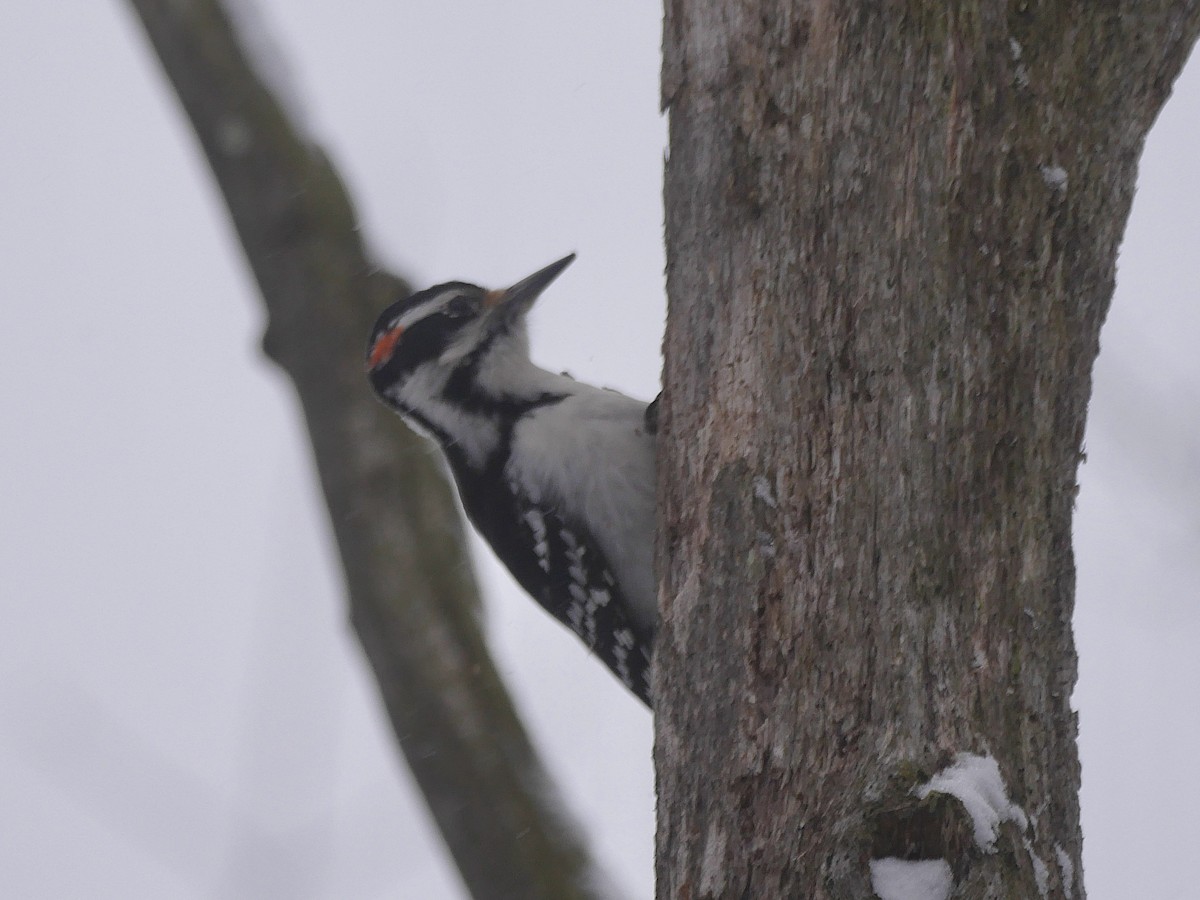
461	306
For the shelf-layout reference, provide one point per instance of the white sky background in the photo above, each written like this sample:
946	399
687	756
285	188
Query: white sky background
183	710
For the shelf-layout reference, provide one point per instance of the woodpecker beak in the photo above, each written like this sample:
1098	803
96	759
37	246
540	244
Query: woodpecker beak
518	298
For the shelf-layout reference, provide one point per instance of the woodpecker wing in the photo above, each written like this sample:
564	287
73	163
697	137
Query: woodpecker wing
590	459
576	586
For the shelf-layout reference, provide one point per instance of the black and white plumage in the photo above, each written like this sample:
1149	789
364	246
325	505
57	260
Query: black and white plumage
558	476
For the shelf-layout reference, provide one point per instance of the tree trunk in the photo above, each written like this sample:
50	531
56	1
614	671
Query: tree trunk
413	600
891	242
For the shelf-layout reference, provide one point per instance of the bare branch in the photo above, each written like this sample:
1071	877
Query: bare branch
413	599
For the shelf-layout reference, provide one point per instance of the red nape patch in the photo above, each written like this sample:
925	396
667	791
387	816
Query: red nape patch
382	351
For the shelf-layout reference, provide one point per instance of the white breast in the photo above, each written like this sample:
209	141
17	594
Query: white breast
590	458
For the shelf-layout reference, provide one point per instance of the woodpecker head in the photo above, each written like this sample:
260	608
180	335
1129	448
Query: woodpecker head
453	338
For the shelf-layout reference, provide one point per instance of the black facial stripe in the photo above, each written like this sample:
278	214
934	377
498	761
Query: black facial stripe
508	413
465	377
424	340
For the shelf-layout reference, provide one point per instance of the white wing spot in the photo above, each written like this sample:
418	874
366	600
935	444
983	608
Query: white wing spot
588	596
596	599
621	660
541	547
575	553
624	643
575	617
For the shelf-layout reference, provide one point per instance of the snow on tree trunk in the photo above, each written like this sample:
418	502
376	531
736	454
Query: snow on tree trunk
891	241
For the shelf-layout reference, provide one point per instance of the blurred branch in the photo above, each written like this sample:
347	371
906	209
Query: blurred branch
413	599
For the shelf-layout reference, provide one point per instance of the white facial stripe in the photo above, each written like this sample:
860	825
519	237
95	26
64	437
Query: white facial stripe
430	306
467	340
475	435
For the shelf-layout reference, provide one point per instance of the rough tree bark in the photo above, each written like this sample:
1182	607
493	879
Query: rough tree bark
413	600
891	240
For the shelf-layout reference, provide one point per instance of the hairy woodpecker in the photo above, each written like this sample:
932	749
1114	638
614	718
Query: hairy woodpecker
557	476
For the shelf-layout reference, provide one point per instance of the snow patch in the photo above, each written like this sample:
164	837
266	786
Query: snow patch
1022	74
1041	874
976	782
766	545
911	879
1055	177
764	492
1067	868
